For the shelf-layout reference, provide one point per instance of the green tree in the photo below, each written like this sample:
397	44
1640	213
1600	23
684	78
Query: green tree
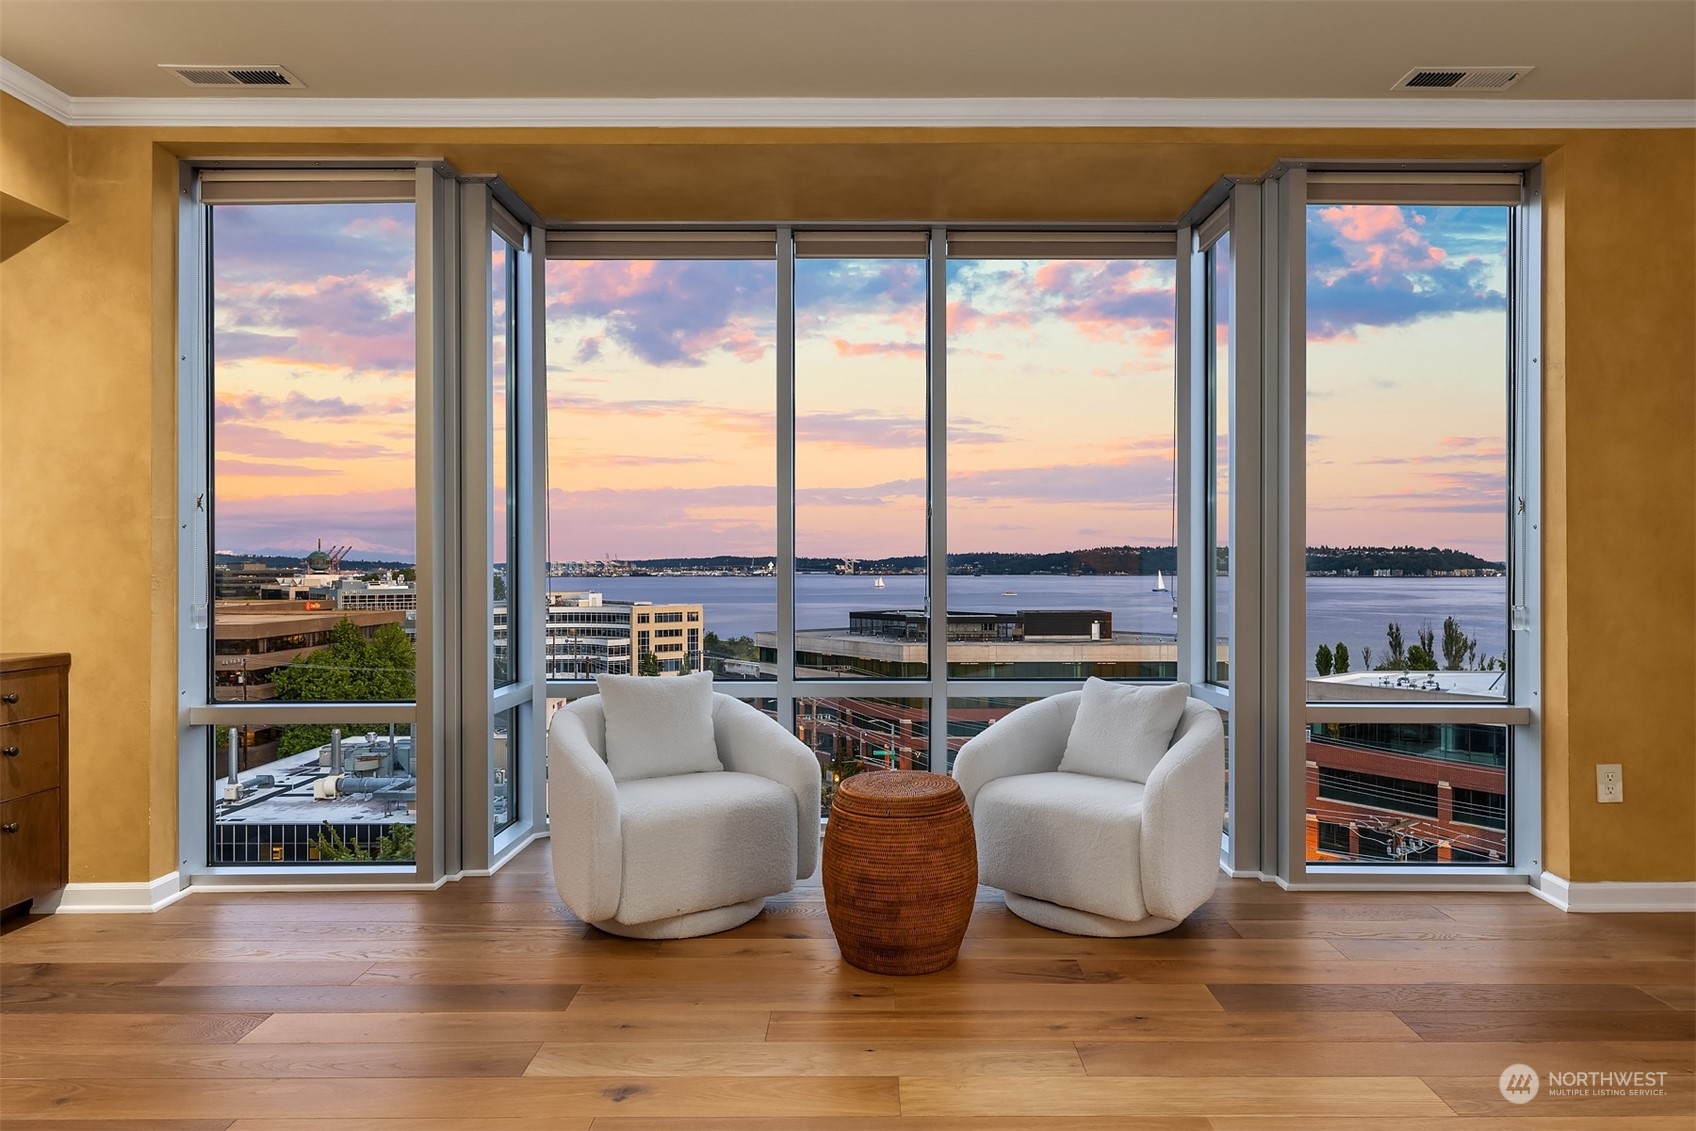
1340	657
352	668
1397	660
500	587
1460	651
1422	656
1322	660
649	664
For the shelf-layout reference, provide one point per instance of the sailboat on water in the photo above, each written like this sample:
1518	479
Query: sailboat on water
878	584
1160	582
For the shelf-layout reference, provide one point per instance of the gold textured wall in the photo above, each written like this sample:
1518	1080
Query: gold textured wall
88	448
35	160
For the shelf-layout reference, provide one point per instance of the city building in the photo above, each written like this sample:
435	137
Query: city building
253	638
1029	644
586	636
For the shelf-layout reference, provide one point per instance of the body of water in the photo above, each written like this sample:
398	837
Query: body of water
1348	610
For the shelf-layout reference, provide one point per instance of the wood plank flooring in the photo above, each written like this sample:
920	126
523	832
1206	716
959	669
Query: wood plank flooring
486	1006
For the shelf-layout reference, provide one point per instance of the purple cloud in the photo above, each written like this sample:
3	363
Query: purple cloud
228	466
1385	265
1130	301
669	312
257	440
662	522
325	285
297	406
381	523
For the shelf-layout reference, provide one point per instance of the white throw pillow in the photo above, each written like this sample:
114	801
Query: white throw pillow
1122	730
658	725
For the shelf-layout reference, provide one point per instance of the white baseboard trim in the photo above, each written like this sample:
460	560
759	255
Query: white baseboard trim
114	899
1615	896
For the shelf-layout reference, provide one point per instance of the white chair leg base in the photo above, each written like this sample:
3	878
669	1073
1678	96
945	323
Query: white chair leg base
708	922
1074	922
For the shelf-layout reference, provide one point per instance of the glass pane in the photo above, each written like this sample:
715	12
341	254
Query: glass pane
860	412
313	794
503	515
854	734
1407	465
1394	793
662	464
1219	301
1061	521
312	432
503	743
971	715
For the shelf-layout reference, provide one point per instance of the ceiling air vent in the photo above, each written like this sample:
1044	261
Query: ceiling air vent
232	76
1461	78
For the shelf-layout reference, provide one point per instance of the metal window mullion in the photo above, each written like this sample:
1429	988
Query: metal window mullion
299	714
194	497
533	534
1252	761
1525	547
1287	560
785	478
1429	714
1189	418
438	675
474	495
936	491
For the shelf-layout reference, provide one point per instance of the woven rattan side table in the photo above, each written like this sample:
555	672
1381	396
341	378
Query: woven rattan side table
900	871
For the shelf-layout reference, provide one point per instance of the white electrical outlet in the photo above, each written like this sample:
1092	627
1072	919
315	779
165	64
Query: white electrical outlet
1610	783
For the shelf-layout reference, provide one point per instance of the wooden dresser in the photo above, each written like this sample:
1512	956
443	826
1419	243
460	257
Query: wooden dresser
34	776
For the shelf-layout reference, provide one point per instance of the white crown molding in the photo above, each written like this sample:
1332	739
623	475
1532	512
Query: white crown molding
114	899
31	91
1410	112
1615	896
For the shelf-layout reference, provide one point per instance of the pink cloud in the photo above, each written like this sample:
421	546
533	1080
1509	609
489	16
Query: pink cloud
845	348
257	440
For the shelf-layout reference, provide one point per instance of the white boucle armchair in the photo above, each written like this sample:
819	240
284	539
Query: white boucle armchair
1092	855
684	855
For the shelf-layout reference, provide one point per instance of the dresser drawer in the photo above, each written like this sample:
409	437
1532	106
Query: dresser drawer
29	695
29	757
29	847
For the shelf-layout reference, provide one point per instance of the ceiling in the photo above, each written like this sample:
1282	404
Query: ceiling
907	49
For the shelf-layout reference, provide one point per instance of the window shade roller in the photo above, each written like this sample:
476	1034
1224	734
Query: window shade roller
307	186
662	245
861	245
1062	245
506	225
1493	189
1210	229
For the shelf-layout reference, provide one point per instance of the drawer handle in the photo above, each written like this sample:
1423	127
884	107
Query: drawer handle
9	698
9	827
10	751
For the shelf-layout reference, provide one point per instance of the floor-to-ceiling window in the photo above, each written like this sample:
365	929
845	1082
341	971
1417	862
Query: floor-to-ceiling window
310	587
887	484
1060	460
1413	405
662	497
732	403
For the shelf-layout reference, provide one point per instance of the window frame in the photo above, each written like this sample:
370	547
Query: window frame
1285	250
1269	713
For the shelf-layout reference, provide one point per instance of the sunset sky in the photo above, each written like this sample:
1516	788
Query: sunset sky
661	382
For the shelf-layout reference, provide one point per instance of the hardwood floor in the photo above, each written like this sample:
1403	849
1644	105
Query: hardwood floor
484	1005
